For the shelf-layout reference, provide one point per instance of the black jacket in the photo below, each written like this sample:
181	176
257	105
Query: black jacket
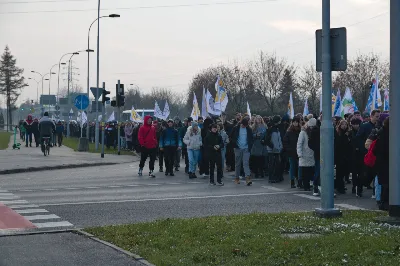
289	142
342	148
381	152
210	141
235	135
314	142
357	146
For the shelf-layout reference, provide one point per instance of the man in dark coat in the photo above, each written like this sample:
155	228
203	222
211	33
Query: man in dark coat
213	145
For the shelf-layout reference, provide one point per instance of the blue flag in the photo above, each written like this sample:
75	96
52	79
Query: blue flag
338	105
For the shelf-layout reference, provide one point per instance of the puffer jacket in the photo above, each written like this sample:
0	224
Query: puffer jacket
274	134
306	155
193	140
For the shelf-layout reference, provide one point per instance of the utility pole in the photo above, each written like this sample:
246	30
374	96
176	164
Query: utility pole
102	123
118	118
98	81
327	187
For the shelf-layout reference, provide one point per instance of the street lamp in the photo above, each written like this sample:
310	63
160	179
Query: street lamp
32	71
37	89
88	69
59	70
50	81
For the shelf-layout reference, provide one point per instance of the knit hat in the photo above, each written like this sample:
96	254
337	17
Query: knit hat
194	124
312	122
276	119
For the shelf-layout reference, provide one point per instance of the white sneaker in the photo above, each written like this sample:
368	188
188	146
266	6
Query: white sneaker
373	197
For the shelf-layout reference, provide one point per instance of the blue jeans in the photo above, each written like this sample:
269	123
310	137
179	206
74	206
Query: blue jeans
317	173
294	168
193	159
378	189
28	137
223	153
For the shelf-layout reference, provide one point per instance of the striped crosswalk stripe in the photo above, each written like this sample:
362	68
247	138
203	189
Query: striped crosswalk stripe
42	217
31	211
53	224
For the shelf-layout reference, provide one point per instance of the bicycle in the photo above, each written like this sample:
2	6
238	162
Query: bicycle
46	145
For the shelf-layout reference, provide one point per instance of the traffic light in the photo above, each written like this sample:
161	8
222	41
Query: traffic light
120	95
104	97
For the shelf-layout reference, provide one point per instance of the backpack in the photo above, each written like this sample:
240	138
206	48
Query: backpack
370	158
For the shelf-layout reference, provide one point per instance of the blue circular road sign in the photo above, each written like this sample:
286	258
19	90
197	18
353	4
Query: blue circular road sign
81	102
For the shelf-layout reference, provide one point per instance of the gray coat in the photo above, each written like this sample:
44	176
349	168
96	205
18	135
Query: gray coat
276	141
306	155
258	147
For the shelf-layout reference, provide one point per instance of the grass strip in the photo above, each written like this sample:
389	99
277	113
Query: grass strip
4	140
260	239
74	142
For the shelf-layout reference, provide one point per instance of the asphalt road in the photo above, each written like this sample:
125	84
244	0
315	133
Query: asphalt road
96	196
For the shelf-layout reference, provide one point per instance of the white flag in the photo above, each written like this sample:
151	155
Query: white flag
157	111
78	117
99	118
166	111
378	93
204	112
290	111
195	111
211	104
135	117
83	118
221	99
248	110
217	104
305	110
111	118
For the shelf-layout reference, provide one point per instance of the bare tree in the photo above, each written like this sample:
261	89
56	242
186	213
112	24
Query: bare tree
310	83
267	71
359	75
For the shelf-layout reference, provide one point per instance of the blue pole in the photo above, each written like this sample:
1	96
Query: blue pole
327	187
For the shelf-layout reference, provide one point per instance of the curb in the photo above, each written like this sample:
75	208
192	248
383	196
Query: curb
130	254
55	167
11	233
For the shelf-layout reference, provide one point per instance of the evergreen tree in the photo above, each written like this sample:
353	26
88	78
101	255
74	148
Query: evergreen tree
11	81
1	120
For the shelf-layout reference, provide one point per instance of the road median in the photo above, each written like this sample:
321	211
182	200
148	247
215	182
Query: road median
260	239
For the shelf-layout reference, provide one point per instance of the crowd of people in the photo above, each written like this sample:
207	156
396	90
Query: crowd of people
256	147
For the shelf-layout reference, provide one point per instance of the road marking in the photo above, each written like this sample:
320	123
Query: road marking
23	206
167	199
92	187
42	217
31	211
311	197
152	184
5	202
6	194
49	189
195	182
114	186
71	188
174	183
8	197
272	188
3	191
52	224
350	207
26	190
133	185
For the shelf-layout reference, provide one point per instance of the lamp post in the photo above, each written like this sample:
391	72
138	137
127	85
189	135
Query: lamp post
69	77
32	71
37	89
51	69
59	70
88	71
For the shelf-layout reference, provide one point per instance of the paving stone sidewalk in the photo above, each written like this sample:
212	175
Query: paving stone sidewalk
32	159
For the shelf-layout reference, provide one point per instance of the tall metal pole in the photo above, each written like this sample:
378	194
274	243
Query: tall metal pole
51	69
327	189
394	97
98	79
118	121
102	124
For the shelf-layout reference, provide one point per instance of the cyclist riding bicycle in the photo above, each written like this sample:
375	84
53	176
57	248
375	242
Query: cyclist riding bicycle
46	128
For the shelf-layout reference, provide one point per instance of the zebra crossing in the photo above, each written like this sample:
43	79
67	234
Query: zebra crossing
18	214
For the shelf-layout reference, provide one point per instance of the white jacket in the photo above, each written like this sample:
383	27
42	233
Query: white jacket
306	155
193	140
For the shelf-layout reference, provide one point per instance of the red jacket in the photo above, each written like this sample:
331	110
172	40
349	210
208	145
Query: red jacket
147	135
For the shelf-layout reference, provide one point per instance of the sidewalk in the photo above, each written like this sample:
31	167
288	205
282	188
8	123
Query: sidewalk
61	249
32	159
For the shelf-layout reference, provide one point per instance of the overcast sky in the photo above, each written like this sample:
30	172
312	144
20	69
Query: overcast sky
154	45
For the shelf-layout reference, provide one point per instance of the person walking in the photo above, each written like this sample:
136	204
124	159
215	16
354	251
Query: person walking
59	133
290	148
148	143
342	154
193	142
259	130
381	151
182	133
28	125
273	141
213	144
306	155
225	141
169	143
242	138
357	159
128	135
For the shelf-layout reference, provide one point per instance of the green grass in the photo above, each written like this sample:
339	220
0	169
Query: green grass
4	140
258	239
73	144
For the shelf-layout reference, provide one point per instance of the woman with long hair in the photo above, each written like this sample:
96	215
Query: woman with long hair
342	154
306	155
289	146
257	151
